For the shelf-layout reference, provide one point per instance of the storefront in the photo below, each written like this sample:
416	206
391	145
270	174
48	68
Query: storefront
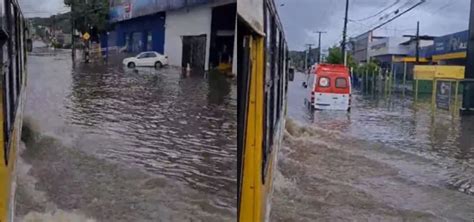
184	30
451	49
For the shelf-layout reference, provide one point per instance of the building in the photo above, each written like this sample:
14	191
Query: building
196	32
451	49
385	49
359	47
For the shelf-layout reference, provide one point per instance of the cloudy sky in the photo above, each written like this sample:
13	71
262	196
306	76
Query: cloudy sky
42	8
302	17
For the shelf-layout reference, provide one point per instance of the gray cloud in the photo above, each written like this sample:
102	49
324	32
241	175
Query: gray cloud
302	17
42	8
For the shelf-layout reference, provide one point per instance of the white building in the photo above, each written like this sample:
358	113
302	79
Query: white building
199	33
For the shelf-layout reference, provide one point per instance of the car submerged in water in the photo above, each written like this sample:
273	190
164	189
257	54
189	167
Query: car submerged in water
150	59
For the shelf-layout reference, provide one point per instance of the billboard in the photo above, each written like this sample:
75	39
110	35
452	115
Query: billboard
456	42
121	10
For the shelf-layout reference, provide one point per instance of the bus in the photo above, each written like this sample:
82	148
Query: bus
14	39
262	75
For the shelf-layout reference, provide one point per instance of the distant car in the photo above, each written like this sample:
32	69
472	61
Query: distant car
153	59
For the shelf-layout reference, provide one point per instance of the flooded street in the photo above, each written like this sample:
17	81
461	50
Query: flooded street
386	160
112	144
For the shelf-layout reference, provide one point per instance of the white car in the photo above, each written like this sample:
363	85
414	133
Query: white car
153	59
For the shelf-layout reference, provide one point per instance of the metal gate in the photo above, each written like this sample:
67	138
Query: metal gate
194	51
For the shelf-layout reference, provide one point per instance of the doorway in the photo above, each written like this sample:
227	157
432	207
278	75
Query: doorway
222	35
194	51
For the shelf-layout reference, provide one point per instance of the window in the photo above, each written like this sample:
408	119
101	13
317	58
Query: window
141	55
269	94
272	87
324	82
149	41
150	55
12	74
126	39
341	83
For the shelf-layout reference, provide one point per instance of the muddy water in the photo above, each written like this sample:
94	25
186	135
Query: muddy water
387	160
112	144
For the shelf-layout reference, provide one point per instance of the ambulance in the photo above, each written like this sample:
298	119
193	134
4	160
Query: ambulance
329	88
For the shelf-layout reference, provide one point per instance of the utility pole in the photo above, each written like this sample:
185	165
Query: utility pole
344	33
468	93
306	56
73	27
319	45
53	26
418	42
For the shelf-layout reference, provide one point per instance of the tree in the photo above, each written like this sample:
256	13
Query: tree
335	57
89	13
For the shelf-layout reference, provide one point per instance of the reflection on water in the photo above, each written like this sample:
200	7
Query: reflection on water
396	121
388	159
169	123
178	126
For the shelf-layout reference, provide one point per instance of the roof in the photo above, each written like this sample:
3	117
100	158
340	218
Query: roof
413	38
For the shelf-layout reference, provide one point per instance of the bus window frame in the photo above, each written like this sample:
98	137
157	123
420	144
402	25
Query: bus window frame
12	72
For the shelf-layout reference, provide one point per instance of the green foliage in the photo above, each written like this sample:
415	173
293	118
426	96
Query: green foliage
91	13
59	22
372	68
335	57
298	57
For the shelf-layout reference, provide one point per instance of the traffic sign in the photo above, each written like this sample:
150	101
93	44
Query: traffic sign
86	36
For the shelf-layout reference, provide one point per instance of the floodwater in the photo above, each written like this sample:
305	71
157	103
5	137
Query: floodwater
389	159
106	143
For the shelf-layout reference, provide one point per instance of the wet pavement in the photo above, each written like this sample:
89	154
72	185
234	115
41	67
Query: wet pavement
388	159
112	144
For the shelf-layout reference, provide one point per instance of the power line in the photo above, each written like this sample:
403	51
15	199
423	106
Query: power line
444	6
378	13
399	14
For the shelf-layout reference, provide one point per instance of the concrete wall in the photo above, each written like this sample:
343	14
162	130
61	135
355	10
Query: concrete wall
388	46
360	46
252	12
186	22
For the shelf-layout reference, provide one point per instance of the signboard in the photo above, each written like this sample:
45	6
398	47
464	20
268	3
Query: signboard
424	72
429	72
456	42
443	94
127	9
86	36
